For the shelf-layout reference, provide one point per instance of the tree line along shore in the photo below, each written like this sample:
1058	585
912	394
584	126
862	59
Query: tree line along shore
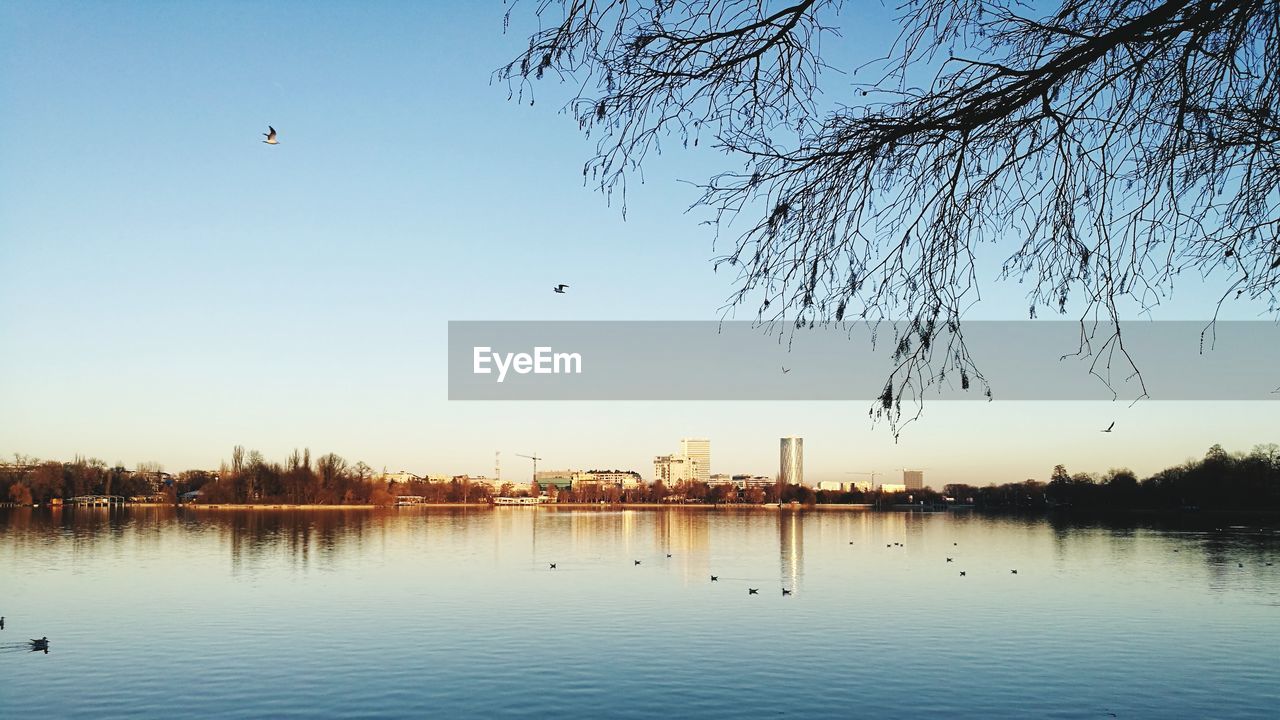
1218	481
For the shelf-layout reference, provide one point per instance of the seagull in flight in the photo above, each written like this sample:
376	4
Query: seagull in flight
785	369
1113	424
271	136
559	288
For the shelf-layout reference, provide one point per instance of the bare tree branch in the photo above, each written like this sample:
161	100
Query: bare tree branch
1103	150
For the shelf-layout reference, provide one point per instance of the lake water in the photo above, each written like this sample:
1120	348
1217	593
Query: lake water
450	612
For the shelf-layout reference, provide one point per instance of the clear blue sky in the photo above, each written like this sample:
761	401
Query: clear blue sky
173	287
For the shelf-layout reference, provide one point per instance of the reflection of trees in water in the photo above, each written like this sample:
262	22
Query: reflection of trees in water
322	535
79	531
1220	543
263	539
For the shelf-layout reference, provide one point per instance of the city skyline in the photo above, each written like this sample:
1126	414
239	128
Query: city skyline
837	463
209	318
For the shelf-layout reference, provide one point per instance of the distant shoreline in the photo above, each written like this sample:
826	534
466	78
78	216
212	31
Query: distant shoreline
545	506
1078	513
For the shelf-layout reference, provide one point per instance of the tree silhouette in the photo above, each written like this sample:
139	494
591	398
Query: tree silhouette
1109	147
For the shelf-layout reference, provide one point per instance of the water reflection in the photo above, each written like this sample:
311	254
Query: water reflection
268	609
791	547
323	539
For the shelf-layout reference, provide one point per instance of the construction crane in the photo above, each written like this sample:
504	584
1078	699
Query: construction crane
873	474
534	457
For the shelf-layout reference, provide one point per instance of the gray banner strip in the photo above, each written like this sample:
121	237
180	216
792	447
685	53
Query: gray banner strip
708	360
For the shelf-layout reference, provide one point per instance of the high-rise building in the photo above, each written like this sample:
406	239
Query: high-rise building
791	461
699	451
913	479
671	469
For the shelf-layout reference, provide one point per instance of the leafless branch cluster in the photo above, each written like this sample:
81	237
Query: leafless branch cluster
1101	149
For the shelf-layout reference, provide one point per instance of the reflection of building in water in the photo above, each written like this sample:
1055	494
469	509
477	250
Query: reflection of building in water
791	547
686	535
791	461
893	525
681	531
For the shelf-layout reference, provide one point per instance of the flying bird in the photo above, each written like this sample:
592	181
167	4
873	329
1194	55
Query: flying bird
271	136
637	562
786	591
961	573
1013	572
785	369
668	554
1113	424
753	591
553	566
559	288
948	559
715	578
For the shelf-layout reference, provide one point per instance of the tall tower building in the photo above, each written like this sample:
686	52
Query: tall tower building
699	451
791	461
913	479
